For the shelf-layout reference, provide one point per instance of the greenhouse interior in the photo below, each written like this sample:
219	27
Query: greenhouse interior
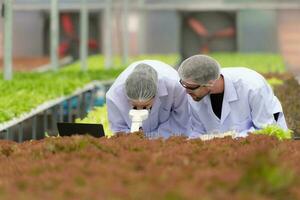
148	99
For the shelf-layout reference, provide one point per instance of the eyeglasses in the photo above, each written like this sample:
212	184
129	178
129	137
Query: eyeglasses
193	87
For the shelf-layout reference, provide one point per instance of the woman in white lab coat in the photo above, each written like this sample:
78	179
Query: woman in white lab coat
231	99
151	85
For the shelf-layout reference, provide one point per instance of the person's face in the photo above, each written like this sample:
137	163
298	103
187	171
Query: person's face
142	105
196	91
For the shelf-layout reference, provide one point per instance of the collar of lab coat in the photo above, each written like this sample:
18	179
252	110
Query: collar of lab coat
230	95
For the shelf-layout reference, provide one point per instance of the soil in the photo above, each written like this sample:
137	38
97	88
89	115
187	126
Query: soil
289	96
131	167
282	76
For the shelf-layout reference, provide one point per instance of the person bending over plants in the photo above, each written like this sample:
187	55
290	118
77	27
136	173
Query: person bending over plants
230	99
154	86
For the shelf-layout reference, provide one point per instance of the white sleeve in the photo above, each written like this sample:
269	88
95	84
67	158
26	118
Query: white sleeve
197	125
116	121
179	122
262	104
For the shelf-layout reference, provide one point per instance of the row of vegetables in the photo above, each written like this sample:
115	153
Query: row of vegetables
99	115
28	90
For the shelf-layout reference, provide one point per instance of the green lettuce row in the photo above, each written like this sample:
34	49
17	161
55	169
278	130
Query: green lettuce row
28	90
263	63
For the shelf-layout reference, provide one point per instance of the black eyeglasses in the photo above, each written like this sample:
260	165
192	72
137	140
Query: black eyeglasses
193	87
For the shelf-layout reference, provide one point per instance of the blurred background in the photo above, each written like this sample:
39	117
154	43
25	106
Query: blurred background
137	27
53	50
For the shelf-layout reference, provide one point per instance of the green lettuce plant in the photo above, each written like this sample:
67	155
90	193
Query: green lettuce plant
274	130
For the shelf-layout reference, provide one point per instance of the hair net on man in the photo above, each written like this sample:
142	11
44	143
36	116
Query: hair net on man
141	84
199	68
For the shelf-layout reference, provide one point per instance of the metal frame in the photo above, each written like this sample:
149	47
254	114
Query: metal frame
8	26
63	5
164	4
54	110
107	35
54	33
84	34
107	6
55	7
219	5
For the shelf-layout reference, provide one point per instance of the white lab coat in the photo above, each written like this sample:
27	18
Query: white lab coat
248	104
170	111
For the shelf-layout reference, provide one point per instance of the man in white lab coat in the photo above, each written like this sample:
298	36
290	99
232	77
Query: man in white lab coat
151	85
229	99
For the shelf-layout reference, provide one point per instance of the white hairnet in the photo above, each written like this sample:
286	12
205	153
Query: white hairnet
199	68
141	84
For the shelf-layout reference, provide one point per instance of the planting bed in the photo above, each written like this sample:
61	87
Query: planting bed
132	167
289	95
